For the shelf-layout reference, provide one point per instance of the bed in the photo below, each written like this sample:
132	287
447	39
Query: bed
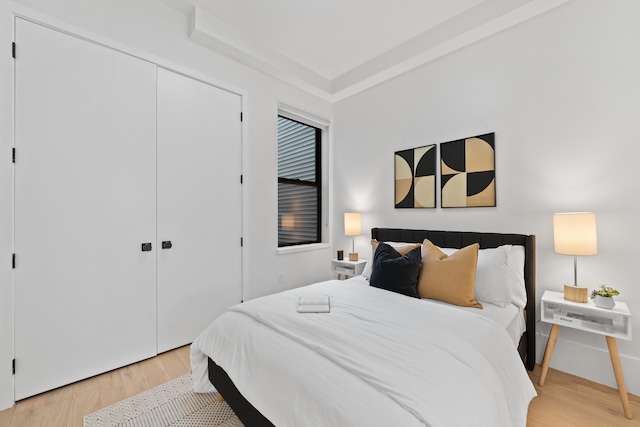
435	364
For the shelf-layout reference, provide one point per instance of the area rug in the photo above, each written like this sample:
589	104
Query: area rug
169	404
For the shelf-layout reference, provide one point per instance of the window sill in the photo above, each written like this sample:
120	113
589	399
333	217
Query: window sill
302	248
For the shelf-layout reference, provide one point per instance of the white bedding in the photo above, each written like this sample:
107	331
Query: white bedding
377	359
511	317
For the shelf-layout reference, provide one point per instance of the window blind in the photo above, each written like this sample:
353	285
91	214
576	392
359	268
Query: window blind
298	183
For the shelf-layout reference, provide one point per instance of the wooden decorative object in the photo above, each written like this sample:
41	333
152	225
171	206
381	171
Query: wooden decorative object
576	294
353	256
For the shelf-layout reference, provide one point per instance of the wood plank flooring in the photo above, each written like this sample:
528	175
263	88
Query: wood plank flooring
564	401
65	406
568	401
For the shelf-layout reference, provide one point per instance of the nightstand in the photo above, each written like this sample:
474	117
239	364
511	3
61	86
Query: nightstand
614	323
347	268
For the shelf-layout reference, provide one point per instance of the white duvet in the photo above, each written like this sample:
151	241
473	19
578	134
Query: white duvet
377	359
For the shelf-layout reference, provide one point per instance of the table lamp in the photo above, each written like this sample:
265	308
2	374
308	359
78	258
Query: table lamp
353	227
574	233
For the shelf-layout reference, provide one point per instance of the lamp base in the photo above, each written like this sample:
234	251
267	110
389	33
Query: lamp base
576	294
353	256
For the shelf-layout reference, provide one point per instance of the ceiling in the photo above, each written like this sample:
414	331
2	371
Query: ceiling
336	48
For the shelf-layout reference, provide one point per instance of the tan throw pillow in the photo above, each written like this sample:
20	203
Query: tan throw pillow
402	250
449	278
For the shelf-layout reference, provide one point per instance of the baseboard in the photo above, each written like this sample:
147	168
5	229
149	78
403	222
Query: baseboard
588	361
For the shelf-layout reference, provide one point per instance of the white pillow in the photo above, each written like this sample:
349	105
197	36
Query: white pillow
500	275
516	276
493	276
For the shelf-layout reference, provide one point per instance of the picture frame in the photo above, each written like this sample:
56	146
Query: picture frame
415	177
467	172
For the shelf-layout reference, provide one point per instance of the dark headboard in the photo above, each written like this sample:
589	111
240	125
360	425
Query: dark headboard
460	239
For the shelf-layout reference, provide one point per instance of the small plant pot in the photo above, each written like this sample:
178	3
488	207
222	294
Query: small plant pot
604	302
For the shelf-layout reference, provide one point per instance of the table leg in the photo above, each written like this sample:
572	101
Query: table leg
548	352
617	370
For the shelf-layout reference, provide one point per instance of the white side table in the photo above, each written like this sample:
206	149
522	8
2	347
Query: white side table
614	323
347	268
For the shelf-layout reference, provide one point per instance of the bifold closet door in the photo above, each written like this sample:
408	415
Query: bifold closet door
85	185
199	206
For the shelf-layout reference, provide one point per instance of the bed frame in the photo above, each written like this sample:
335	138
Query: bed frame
460	239
250	416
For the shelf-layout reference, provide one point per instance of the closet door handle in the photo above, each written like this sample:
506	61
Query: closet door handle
146	247
166	244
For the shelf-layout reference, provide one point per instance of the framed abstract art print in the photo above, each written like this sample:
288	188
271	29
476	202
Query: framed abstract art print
415	177
467	172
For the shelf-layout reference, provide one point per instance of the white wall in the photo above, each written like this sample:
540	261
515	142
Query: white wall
155	32
562	94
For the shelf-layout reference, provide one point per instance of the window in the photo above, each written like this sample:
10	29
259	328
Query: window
299	183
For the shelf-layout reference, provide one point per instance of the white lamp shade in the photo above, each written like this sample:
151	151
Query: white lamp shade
574	233
352	223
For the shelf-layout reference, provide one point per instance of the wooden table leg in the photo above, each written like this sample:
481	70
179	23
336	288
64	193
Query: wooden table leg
548	352
617	370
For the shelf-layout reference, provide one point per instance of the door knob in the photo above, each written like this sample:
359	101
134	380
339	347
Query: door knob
146	247
166	244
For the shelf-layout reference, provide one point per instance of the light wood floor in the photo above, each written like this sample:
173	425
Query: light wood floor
564	401
65	406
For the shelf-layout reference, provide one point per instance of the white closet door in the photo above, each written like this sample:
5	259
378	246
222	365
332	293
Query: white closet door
199	206
85	293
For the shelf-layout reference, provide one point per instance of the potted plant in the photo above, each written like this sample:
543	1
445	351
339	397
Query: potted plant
603	297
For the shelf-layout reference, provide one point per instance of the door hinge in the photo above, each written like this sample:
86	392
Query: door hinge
241	241
13	154
13	49
241	179
241	116
13	261
13	366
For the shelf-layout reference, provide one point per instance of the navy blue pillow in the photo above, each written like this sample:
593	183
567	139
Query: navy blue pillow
395	272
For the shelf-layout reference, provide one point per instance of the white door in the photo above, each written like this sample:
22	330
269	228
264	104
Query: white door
85	292
199	206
